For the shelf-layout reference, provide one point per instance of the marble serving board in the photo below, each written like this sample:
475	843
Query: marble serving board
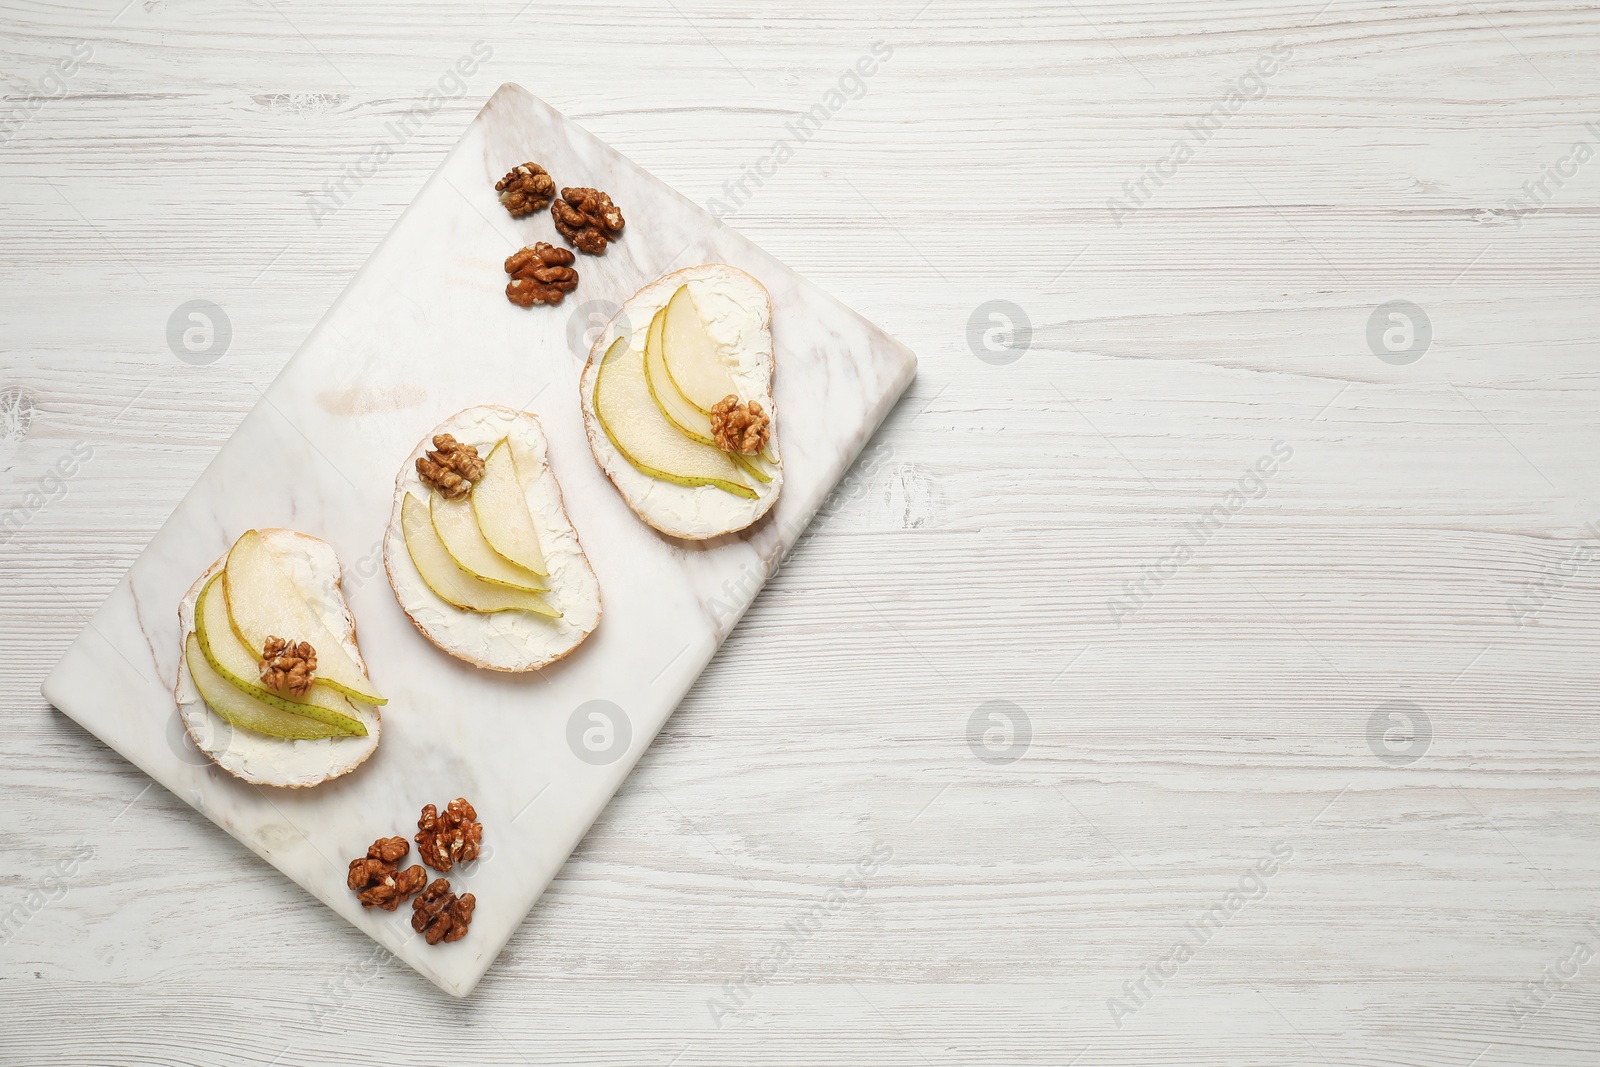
423	331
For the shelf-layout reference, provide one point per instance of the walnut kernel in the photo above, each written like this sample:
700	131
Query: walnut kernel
526	188
376	882
439	915
541	274
587	219
448	838
740	427
451	467
288	666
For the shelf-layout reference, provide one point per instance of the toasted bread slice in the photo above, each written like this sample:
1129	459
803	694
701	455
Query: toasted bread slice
258	758
502	640
737	312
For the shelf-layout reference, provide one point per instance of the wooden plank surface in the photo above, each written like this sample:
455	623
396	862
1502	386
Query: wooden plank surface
1426	542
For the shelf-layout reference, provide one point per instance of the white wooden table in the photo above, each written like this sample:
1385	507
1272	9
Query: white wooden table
1370	670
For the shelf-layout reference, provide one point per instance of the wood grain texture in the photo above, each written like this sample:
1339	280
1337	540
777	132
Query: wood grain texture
1426	510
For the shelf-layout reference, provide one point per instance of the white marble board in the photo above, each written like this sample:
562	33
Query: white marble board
423	331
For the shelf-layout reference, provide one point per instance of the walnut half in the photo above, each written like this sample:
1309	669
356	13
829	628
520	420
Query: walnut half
448	838
526	188
376	882
587	219
451	467
439	915
288	666
540	274
740	427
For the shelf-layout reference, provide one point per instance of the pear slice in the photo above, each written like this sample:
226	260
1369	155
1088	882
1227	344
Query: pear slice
263	600
448	581
690	420
245	711
457	526
502	511
691	356
637	428
751	466
237	665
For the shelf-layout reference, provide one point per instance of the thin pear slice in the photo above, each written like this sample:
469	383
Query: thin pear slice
502	511
246	712
691	356
457	526
235	663
636	427
448	581
690	420
751	467
263	601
